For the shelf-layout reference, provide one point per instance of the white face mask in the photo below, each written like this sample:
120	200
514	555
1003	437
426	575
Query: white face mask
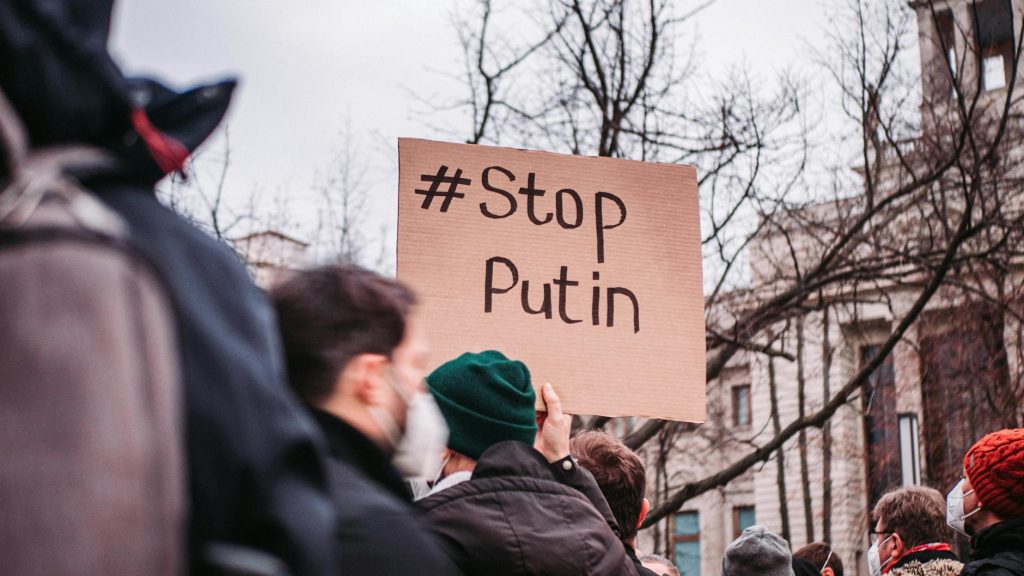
418	455
417	451
874	560
955	516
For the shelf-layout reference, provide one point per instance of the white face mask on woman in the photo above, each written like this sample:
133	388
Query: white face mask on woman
955	516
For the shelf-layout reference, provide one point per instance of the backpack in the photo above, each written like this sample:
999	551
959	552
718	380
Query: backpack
90	406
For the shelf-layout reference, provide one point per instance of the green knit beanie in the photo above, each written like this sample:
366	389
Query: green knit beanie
485	398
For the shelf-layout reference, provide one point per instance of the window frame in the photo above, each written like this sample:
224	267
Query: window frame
994	48
736	531
736	406
675	538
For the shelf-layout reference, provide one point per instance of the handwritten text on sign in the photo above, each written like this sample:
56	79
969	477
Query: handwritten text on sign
496	241
496	180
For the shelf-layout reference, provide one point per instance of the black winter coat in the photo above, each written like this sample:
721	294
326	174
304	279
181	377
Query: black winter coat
520	515
380	530
255	458
998	550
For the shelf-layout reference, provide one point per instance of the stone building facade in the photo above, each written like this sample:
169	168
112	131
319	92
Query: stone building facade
946	383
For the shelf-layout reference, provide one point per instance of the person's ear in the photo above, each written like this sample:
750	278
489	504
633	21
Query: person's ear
364	375
898	547
826	571
644	509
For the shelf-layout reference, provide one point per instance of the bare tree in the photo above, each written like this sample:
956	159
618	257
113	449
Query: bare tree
338	230
203	196
341	212
932	208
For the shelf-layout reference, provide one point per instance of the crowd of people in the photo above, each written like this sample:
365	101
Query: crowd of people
914	526
163	415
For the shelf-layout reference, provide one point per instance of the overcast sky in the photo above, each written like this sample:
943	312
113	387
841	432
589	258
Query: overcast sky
309	68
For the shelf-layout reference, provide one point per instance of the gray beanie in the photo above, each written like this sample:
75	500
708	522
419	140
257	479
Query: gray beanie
758	552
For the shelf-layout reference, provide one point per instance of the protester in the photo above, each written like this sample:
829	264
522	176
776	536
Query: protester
254	465
515	509
621	476
658	564
823	557
758	551
68	422
910	535
357	355
988	504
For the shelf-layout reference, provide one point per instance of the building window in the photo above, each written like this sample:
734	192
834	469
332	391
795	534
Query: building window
965	388
947	37
909	444
743	517
686	543
741	405
881	428
993	20
945	43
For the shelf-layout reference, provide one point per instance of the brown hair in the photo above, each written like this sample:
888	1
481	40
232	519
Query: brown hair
916	513
817	553
331	314
618	472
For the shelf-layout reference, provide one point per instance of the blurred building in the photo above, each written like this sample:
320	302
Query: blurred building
269	253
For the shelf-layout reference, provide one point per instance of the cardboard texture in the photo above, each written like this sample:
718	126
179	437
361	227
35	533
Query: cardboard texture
597	288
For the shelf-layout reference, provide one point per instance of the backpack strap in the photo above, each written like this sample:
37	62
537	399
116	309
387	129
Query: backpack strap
35	176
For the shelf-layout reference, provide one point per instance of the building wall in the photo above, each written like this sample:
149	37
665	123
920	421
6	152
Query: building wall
698	454
716	443
268	254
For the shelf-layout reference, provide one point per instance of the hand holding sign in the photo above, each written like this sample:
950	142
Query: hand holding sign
553	426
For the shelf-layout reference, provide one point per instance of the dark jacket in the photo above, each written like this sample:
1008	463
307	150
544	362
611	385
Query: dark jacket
640	570
998	550
927	563
380	530
520	515
255	465
254	457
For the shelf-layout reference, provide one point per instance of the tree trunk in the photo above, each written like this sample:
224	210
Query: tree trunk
826	434
780	460
805	480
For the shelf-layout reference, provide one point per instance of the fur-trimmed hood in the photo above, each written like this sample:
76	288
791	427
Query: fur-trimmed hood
938	567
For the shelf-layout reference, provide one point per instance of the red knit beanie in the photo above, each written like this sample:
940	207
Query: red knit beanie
995	467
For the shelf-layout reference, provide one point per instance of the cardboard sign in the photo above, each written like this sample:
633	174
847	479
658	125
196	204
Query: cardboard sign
587	269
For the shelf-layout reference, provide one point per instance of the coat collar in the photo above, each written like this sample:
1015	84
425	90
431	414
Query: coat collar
511	458
924	556
449	481
351	446
1008	535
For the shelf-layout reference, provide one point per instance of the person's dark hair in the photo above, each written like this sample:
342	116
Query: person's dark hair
817	553
331	314
619	473
916	513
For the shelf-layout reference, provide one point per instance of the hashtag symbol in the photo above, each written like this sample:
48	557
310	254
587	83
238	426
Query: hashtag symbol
435	182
